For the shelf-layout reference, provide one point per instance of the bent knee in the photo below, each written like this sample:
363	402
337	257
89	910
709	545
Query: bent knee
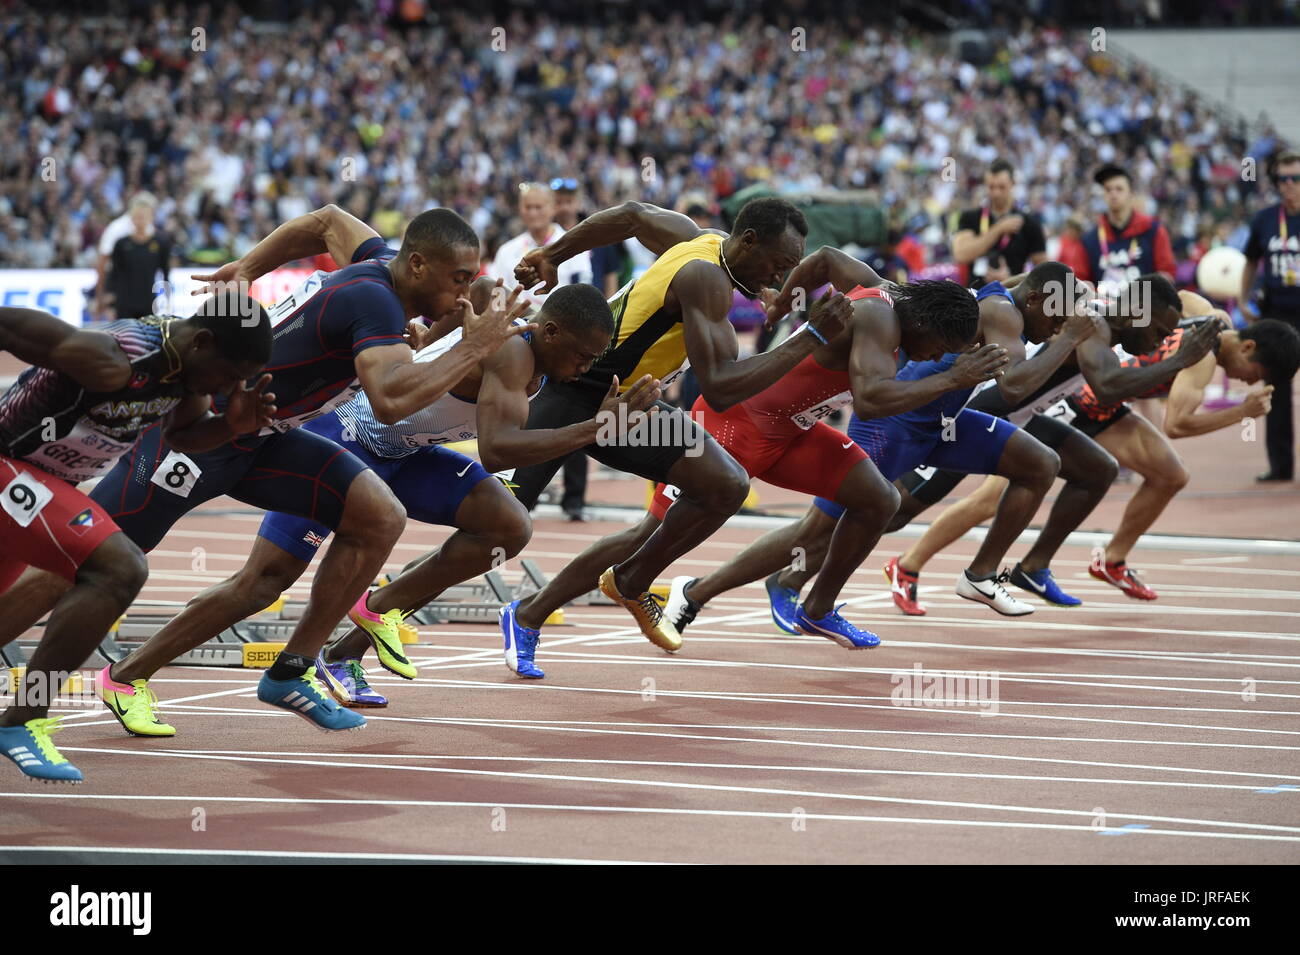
880	502
254	590
514	531
119	567
1102	472
725	491
1173	477
372	512
1040	468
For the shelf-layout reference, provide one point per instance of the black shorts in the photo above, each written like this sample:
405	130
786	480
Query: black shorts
930	486
297	473
1093	426
669	436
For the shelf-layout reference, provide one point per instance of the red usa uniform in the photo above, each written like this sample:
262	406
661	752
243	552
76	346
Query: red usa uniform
779	435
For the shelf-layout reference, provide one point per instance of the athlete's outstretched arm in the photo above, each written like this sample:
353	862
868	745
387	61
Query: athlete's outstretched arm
1001	324
91	359
1113	381
827	264
656	228
503	439
328	229
1182	417
398	387
877	393
705	297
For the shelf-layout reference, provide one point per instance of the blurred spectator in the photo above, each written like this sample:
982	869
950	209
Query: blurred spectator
565	193
1069	247
537	211
387	119
1124	243
885	259
999	239
1275	242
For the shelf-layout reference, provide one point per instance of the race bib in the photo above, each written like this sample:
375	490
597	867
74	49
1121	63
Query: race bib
297	298
807	418
424	439
24	497
177	474
295	421
83	453
667	379
1061	411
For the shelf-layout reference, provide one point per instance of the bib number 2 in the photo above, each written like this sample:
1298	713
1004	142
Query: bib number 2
23	498
177	474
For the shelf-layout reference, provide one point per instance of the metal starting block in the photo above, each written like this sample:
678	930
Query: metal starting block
477	601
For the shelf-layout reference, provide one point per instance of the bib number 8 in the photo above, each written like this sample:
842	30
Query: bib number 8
177	474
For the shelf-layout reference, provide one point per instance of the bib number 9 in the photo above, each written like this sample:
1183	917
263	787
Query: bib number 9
24	497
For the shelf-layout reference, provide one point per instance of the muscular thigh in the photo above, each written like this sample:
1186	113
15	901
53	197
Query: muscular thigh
973	443
153	486
1140	446
45	522
816	462
299	473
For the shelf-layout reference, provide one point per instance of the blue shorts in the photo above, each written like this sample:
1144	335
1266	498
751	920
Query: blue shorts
431	484
974	446
152	487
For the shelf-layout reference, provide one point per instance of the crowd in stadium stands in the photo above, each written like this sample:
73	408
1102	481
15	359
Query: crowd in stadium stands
248	123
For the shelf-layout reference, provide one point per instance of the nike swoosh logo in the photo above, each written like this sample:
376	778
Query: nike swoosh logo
992	424
467	467
847	446
1033	583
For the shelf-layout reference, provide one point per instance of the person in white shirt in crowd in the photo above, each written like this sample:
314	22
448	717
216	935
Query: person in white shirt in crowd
537	210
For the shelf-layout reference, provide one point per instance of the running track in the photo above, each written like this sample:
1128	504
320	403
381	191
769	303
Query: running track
1121	733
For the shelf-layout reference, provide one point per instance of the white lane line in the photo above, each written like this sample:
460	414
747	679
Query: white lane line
382	679
184	699
1026	624
845	699
712	787
687	661
855	747
341	856
969	711
1083	539
1162	656
1239	559
842	770
922	711
602	727
747	814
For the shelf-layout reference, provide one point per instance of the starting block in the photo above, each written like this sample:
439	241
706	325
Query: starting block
259	656
471	602
74	684
12	655
249	643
